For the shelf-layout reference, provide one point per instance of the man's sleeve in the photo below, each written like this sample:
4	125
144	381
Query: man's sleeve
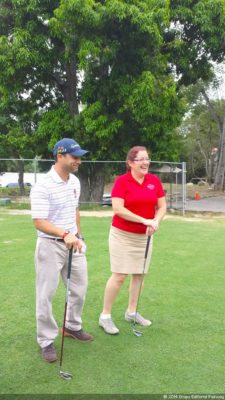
39	202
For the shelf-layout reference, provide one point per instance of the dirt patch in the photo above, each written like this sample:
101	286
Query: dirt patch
196	218
188	217
15	212
108	213
204	191
105	213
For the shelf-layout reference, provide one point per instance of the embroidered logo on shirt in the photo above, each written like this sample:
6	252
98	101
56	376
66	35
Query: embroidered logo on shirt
150	186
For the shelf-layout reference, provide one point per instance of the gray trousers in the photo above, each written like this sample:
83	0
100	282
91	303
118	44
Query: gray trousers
51	261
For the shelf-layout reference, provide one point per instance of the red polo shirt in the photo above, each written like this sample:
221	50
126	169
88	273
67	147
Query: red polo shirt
141	199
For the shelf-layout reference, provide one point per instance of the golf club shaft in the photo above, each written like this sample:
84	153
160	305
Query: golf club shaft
66	302
142	277
63	330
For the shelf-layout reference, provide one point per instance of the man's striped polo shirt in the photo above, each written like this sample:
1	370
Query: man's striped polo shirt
56	201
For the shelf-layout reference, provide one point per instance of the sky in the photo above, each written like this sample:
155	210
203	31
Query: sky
218	93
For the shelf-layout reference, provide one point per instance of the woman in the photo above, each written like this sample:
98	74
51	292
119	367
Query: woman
138	202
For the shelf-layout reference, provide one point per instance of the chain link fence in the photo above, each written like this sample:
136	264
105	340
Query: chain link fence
18	175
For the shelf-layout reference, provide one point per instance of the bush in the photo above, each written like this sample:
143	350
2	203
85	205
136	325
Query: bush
13	192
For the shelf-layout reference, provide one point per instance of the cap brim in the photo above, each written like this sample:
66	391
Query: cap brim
79	153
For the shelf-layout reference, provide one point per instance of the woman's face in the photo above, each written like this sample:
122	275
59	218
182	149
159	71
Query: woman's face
141	163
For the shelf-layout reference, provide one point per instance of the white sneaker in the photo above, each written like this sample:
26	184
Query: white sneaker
108	325
139	319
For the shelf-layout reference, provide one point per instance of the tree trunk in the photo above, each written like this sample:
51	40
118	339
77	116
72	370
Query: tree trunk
92	179
213	162
220	168
205	158
68	87
85	194
71	85
21	174
97	186
220	171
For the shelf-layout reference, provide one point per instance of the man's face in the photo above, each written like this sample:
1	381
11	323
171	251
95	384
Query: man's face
69	163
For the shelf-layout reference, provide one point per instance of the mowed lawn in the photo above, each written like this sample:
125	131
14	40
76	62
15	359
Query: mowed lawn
184	295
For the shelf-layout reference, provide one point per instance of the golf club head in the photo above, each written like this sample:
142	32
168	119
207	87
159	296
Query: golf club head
137	333
65	375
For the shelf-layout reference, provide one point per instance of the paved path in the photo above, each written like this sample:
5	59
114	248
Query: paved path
210	204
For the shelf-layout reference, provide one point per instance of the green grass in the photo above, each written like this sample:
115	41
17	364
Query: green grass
14	191
183	352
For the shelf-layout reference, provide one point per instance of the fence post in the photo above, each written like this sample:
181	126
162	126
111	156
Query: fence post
35	169
183	187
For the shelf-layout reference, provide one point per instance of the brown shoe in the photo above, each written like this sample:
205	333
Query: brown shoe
49	353
78	335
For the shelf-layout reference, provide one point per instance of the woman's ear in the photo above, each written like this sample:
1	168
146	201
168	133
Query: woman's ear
129	163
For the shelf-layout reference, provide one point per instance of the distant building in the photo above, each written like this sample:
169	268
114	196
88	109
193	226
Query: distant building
11	179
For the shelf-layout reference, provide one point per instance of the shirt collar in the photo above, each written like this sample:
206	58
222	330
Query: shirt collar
131	179
55	176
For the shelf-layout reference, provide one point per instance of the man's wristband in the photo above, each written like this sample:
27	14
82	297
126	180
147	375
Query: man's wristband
64	234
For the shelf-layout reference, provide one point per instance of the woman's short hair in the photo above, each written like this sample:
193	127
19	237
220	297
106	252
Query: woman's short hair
132	154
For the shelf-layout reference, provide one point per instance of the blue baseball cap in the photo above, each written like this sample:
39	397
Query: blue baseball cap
69	146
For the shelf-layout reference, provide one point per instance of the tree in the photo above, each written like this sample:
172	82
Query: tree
219	119
24	91
196	38
17	129
194	41
116	44
126	61
201	138
125	80
204	129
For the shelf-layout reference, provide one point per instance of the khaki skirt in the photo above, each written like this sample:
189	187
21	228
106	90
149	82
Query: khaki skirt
127	252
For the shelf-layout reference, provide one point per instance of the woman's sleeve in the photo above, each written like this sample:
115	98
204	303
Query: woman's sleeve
160	190
119	188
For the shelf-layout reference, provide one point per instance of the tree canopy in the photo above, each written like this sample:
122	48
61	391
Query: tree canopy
201	139
123	61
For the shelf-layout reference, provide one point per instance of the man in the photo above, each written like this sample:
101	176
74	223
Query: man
55	213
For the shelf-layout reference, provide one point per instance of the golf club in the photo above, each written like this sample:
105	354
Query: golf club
135	331
66	375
